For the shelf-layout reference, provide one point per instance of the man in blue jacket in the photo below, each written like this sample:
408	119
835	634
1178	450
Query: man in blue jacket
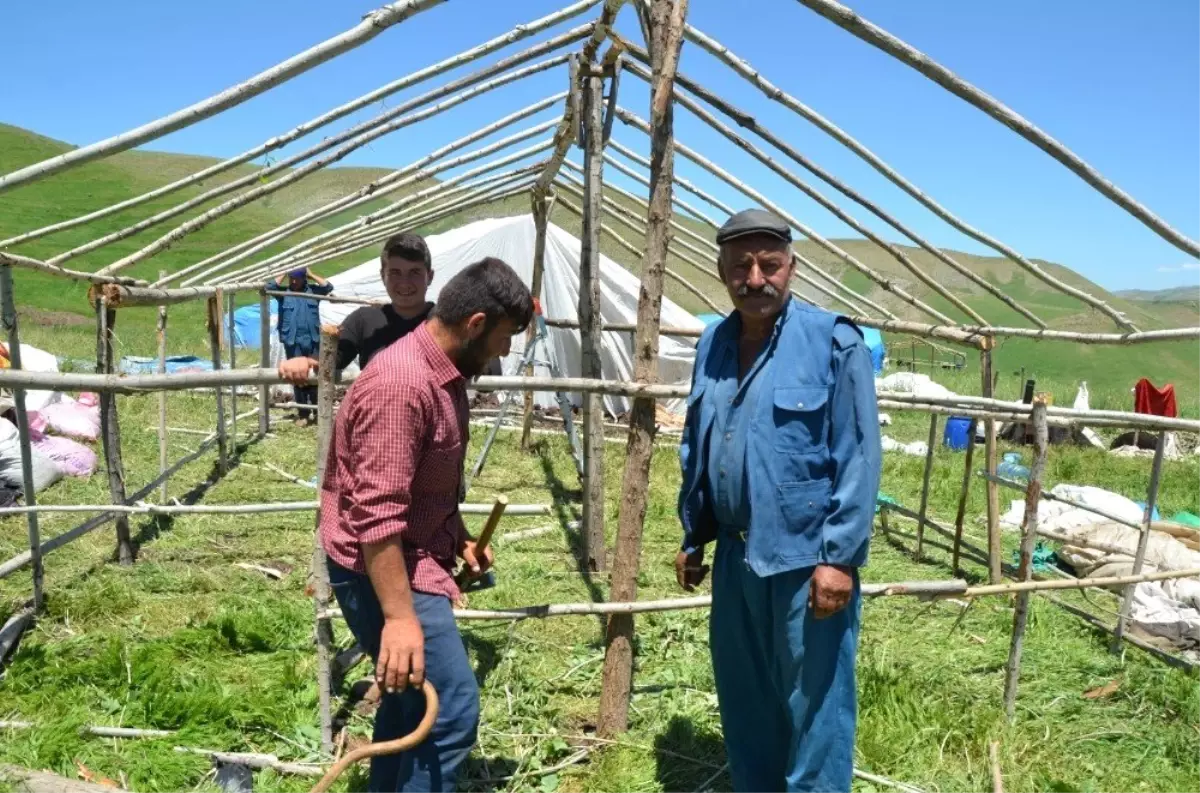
781	459
299	328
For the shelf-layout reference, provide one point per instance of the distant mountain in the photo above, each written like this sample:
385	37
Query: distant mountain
1176	294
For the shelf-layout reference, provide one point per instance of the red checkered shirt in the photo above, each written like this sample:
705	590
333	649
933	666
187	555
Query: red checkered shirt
395	463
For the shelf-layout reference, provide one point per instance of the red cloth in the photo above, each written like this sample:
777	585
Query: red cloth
395	463
1155	401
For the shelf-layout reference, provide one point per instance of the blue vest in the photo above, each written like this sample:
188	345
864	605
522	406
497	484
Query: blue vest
788	463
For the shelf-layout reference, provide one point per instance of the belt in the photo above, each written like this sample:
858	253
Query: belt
732	531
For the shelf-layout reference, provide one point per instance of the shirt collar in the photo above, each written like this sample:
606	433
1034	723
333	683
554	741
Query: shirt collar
444	370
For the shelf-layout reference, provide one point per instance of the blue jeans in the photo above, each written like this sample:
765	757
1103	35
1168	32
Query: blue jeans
304	394
785	680
435	763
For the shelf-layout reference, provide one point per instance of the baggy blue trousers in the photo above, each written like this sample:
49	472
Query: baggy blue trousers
785	680
434	765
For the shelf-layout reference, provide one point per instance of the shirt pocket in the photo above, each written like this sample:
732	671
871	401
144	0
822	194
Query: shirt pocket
803	505
799	416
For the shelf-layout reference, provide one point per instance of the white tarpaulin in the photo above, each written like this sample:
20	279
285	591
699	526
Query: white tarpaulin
511	240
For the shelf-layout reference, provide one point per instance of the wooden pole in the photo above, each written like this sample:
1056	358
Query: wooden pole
1033	493
8	316
319	573
995	571
232	341
371	25
540	207
1139	558
162	396
933	424
848	20
666	36
264	362
518	33
214	342
110	427
589	321
960	516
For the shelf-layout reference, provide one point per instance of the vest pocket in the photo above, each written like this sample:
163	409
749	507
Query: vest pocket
799	418
803	505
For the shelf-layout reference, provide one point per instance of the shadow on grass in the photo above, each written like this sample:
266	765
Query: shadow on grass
157	525
569	521
690	759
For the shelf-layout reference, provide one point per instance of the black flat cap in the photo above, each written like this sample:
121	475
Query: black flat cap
754	221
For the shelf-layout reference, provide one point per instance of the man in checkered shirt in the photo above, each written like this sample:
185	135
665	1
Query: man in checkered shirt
390	523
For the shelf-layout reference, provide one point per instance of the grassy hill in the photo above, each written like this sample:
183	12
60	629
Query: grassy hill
1176	294
63	310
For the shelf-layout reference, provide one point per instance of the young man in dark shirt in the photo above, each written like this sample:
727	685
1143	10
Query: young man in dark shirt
406	269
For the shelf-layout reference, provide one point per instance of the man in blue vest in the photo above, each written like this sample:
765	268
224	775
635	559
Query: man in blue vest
781	465
299	328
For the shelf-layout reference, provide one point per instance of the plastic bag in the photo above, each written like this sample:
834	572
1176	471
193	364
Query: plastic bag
73	419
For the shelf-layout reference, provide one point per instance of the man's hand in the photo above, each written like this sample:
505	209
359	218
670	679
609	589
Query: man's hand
829	590
296	370
401	654
690	569
476	564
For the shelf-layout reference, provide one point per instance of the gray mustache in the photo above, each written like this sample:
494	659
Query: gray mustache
767	290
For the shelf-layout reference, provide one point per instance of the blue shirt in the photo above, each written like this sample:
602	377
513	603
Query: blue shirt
299	318
733	402
803	430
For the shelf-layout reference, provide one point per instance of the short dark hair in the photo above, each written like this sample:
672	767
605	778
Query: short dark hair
408	246
490	287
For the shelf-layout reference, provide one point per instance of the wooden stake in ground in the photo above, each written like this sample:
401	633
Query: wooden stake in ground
110	427
960	516
666	29
264	362
1139	558
1033	492
162	396
319	574
214	343
995	573
232	341
8	315
933	422
589	321
540	208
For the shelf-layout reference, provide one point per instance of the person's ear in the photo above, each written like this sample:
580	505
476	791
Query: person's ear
428	276
475	325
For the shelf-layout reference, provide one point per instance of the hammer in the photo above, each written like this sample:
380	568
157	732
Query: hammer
463	579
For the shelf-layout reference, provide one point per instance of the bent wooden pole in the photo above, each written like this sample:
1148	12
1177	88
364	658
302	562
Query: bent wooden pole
371	26
747	121
518	33
773	92
820	198
242	250
200	221
904	52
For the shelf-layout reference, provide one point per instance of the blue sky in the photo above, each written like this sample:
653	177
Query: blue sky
1118	82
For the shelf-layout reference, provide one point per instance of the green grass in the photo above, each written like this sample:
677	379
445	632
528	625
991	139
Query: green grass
183	640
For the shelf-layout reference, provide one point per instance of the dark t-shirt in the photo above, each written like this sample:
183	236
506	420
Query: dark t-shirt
371	329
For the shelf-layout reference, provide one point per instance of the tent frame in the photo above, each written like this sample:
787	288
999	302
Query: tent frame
586	121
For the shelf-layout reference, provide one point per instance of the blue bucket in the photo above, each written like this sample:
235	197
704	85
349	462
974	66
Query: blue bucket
957	433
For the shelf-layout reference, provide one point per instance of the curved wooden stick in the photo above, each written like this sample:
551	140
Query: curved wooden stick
414	738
